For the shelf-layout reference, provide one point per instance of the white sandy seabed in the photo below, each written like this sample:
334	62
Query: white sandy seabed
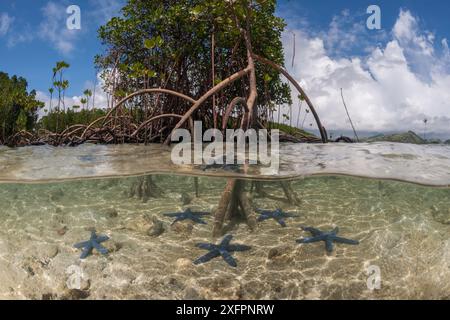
403	229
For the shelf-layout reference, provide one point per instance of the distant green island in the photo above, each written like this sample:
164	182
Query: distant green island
292	134
405	137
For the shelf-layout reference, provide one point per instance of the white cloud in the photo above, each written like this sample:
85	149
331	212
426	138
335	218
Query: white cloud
393	87
53	28
100	97
104	10
17	38
5	23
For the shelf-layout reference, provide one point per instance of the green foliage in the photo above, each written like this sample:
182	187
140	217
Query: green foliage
405	137
18	107
168	43
70	117
296	132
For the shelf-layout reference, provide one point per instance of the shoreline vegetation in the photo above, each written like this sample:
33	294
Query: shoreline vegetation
219	62
404	137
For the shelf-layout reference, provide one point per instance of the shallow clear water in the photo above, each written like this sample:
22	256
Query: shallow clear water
403	229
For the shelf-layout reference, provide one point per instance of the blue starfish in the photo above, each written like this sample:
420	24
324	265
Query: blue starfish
278	215
188	215
92	243
224	249
328	237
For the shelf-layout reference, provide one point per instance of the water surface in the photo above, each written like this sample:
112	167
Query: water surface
403	227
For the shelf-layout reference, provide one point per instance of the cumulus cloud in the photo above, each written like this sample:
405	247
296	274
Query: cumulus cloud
5	23
104	10
393	87
53	28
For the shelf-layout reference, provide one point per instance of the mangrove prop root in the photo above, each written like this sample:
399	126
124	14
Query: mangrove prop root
233	206
261	193
290	194
221	211
234	198
196	187
280	69
247	210
144	188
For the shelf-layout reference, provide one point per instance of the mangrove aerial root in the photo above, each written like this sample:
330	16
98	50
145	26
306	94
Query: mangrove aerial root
290	195
144	188
196	187
219	216
234	204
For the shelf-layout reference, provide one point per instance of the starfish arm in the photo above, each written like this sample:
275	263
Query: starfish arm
237	247
346	241
102	239
86	252
172	215
228	258
263	217
198	220
81	244
309	240
179	218
264	212
206	246
226	241
329	245
207	257
99	247
282	222
313	231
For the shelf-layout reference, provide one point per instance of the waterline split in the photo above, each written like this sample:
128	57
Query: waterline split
238	147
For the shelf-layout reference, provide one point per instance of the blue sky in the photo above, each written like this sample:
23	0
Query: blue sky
33	37
35	40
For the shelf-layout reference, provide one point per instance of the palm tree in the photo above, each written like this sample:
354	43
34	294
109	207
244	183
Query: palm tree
51	90
64	87
60	84
88	94
83	102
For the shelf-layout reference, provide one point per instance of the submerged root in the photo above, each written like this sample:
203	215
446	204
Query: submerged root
145	188
196	187
248	210
234	204
221	211
290	195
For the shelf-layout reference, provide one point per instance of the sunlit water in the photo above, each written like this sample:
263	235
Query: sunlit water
47	204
